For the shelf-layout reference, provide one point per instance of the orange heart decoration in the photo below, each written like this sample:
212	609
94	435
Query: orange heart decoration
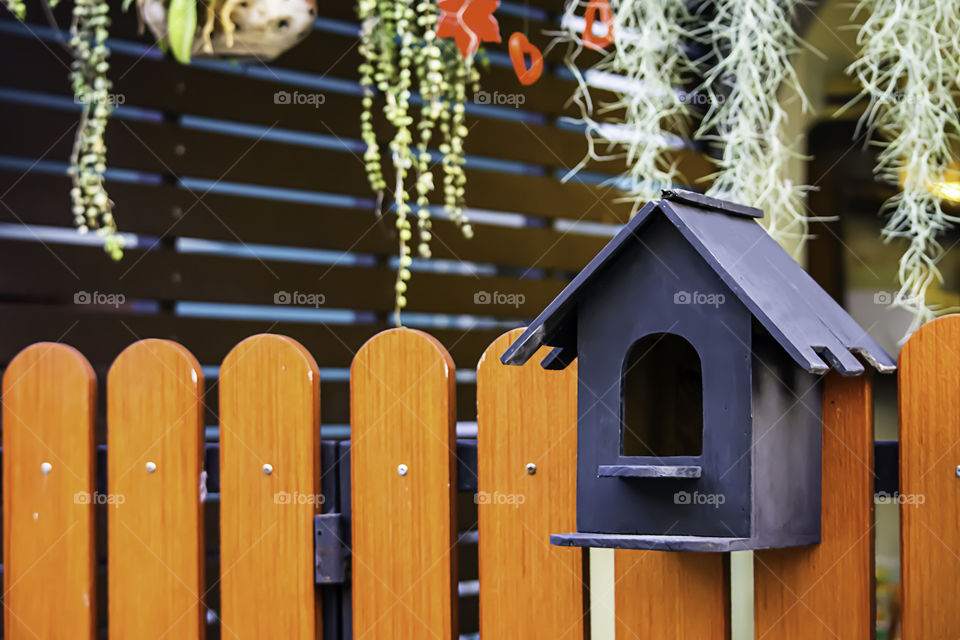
519	46
606	18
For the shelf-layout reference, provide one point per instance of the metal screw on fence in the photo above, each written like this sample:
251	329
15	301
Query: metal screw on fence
402	469
46	467
958	470
531	469
267	469
151	467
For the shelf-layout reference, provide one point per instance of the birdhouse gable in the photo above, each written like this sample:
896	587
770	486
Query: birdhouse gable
805	321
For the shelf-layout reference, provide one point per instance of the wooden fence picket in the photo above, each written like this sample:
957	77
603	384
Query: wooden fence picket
48	485
827	590
403	446
929	484
527	415
664	594
155	561
269	489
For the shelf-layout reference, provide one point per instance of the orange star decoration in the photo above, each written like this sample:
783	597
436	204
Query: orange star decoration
468	22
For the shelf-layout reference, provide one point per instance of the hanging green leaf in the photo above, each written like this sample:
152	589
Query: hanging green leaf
181	28
126	4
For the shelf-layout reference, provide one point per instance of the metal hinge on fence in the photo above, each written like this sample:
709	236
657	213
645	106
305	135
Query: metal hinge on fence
331	553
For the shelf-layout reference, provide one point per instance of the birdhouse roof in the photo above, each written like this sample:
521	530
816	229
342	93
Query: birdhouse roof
813	329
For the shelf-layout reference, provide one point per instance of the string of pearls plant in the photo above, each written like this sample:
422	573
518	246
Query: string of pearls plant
92	207
648	52
909	67
398	44
753	41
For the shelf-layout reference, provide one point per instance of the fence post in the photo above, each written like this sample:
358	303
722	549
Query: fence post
930	480
155	559
269	488
827	590
527	416
403	446
49	391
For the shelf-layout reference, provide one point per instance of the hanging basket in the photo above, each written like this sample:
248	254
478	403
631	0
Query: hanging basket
261	29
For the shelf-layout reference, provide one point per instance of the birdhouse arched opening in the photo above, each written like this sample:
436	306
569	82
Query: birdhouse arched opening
661	398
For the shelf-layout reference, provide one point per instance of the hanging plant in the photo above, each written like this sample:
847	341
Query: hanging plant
404	49
909	67
647	51
266	29
260	29
753	41
92	207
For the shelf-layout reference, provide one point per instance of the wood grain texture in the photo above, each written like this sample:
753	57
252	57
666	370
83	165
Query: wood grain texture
827	590
48	519
155	566
402	412
662	594
269	415
929	459
528	588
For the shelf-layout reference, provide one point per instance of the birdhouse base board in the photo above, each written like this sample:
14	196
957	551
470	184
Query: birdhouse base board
667	543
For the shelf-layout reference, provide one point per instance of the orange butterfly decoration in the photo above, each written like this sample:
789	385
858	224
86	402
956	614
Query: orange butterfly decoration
468	22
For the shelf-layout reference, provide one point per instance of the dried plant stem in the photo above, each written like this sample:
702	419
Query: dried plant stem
909	67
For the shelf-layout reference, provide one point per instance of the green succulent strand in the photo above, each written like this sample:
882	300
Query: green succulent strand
16	7
401	54
92	207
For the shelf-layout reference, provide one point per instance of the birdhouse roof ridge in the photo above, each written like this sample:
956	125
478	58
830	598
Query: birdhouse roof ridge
808	324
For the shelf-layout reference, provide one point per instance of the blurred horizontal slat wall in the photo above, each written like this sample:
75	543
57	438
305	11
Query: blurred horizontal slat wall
232	199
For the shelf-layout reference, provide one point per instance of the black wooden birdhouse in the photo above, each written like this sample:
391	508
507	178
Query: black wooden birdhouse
700	345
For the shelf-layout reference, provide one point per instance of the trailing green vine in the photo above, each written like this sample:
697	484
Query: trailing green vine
909	67
92	207
402	53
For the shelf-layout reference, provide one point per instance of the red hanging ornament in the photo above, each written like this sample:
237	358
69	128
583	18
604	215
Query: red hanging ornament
519	47
606	18
468	22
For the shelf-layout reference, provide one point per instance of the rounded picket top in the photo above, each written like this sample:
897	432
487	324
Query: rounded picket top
269	458
407	345
497	347
155	439
154	352
934	331
49	406
271	346
402	465
527	459
928	385
70	364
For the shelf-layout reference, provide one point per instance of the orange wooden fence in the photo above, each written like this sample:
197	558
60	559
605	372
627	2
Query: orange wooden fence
403	527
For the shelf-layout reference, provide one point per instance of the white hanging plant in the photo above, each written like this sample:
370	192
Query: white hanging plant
909	67
648	53
753	41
